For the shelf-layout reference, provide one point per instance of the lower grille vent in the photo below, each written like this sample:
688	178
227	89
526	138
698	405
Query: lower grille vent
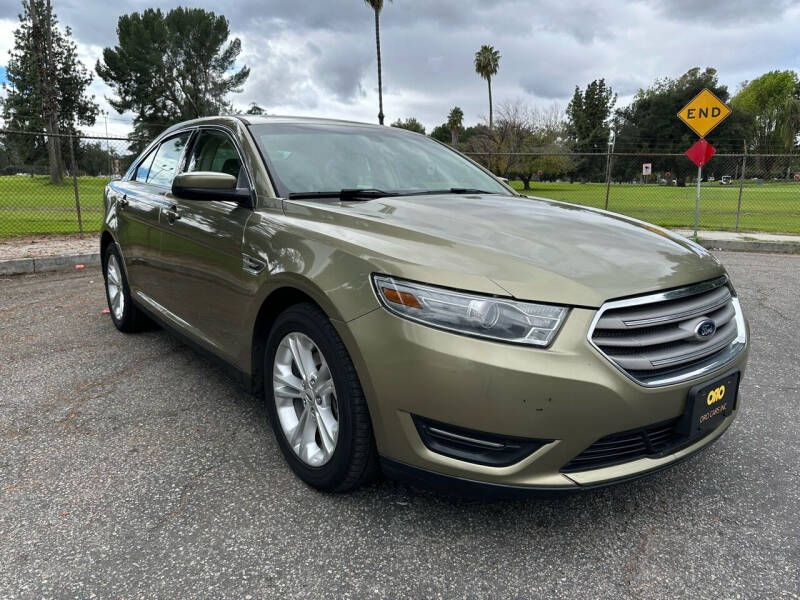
627	446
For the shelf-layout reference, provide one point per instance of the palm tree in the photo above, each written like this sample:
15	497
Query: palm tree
455	122
487	62
377	6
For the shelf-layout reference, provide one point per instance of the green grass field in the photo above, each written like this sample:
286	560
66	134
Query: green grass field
33	206
773	206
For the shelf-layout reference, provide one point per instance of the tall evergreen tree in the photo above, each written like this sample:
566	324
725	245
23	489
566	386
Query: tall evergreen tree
46	90
255	109
411	124
441	133
588	118
173	67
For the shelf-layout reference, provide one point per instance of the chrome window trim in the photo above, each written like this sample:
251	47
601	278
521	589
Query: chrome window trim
697	370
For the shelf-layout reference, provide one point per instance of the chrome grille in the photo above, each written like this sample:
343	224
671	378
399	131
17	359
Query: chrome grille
653	340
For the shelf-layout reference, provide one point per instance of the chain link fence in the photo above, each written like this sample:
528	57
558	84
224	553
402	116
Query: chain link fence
738	192
32	202
742	192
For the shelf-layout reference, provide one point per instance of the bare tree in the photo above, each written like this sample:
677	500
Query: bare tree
524	141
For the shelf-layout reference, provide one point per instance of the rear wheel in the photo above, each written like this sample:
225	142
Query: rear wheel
125	316
316	404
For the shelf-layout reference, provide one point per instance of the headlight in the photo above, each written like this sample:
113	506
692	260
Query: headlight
471	314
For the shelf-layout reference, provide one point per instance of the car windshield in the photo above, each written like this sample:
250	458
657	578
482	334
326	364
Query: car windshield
308	158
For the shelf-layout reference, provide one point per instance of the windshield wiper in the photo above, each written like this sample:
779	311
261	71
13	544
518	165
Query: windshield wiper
348	194
456	190
452	190
344	194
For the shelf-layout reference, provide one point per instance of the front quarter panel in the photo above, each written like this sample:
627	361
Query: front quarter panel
313	262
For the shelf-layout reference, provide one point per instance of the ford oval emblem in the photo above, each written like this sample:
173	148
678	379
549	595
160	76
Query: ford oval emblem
705	329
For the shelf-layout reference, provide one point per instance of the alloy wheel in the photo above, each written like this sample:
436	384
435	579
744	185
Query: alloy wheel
305	399
116	297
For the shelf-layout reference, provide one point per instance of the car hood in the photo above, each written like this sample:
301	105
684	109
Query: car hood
529	248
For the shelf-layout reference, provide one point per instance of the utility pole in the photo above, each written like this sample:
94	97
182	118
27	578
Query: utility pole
380	78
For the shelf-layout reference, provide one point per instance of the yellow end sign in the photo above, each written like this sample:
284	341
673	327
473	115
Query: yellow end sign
704	112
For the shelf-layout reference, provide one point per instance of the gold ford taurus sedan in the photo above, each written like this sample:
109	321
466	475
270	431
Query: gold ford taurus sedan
401	308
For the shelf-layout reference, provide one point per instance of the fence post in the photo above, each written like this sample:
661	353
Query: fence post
741	185
608	172
74	170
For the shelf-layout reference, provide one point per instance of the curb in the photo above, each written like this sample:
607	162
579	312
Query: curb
750	246
47	263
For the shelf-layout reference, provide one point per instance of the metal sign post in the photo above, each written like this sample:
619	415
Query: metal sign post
697	201
700	153
702	114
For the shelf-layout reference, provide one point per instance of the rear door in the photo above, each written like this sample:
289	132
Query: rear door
137	225
201	250
139	215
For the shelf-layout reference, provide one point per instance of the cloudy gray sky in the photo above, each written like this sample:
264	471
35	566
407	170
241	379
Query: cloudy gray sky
317	57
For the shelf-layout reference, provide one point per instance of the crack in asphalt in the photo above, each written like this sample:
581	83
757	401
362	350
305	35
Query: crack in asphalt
190	486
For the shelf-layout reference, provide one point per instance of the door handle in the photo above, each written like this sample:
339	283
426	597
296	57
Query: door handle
172	214
123	202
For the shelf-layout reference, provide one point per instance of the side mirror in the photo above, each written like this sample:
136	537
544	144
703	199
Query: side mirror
209	185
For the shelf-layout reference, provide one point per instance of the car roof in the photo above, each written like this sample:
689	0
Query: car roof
265	119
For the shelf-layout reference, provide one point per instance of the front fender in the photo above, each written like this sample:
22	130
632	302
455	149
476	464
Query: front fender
316	264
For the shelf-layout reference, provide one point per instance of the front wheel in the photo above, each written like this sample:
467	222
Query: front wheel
126	317
316	404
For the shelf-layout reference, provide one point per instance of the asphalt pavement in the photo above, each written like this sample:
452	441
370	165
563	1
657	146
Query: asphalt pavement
131	467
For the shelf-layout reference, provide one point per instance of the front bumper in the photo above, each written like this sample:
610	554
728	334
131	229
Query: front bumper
568	393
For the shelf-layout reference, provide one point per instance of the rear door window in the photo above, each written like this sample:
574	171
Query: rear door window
143	170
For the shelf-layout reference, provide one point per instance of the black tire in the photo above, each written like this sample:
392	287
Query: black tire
132	319
354	460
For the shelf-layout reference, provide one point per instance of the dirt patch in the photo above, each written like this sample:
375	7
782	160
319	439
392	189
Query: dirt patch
36	246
